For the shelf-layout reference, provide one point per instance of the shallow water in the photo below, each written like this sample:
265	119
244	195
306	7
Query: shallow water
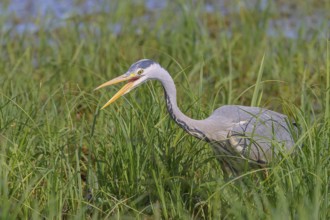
25	16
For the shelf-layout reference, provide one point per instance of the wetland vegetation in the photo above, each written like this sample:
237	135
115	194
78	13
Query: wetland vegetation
61	157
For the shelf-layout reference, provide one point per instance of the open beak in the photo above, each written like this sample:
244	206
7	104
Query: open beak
125	89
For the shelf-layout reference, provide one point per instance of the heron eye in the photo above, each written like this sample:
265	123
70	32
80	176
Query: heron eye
140	72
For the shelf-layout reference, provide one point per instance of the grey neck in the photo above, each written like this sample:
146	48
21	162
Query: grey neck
192	126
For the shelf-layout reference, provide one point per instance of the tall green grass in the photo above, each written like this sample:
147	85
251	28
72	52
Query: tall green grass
60	156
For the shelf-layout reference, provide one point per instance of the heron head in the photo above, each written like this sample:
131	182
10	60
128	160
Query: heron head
137	74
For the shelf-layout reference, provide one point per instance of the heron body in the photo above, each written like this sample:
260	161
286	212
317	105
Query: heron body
242	137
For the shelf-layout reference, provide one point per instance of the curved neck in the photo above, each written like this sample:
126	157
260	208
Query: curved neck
192	126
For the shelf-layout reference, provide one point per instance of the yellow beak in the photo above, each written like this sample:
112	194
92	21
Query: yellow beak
123	90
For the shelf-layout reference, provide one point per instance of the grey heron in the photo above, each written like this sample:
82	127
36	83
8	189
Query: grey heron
242	137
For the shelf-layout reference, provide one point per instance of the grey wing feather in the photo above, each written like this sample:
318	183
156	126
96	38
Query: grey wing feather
255	133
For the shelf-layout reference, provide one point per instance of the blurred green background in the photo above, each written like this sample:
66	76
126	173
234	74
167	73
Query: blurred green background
61	157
